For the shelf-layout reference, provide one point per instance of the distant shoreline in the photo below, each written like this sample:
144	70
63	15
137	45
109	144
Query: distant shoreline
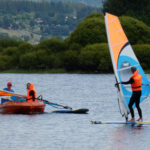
59	71
44	71
34	71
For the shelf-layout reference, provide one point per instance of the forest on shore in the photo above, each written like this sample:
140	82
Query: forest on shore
34	21
85	50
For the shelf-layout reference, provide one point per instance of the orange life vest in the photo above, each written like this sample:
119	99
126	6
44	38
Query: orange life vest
30	98
137	84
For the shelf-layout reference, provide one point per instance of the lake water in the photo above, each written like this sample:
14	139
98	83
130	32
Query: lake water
50	131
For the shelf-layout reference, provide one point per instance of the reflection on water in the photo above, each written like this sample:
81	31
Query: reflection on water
127	137
51	131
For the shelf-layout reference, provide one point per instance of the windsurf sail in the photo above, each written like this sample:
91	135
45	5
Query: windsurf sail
12	96
123	58
4	93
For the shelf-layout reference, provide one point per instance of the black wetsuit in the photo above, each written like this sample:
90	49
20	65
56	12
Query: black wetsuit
135	98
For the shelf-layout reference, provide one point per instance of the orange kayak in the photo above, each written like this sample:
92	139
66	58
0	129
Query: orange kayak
22	107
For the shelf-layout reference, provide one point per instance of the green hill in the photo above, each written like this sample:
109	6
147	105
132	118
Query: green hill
97	3
35	21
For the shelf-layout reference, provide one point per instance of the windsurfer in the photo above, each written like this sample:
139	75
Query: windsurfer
136	84
31	94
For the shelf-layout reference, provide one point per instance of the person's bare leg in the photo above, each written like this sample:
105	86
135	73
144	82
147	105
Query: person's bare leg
132	120
140	120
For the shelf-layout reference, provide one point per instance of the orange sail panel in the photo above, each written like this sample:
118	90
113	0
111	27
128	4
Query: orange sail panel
4	93
117	37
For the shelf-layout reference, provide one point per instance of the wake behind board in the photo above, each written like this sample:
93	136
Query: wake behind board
75	111
117	122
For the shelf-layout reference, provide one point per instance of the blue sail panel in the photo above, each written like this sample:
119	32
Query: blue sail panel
124	69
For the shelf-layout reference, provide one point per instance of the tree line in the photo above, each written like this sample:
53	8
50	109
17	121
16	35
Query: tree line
85	50
134	8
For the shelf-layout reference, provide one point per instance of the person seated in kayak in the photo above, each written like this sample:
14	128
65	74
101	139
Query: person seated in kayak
31	93
7	89
136	85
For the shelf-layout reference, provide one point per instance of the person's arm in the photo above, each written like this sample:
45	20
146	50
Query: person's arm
125	82
32	94
128	82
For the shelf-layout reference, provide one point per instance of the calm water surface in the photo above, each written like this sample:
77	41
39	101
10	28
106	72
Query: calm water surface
51	131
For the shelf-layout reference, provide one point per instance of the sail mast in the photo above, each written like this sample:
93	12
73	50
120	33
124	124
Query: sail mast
115	69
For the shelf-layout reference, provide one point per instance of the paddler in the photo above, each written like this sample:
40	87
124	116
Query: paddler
7	89
31	93
136	85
